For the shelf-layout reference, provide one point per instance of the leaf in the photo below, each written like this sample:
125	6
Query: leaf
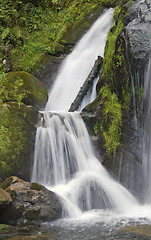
5	33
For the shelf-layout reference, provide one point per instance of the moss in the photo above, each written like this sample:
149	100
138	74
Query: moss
23	88
36	186
110	127
4	228
16	127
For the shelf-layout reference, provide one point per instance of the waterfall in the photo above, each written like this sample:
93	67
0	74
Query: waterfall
147	134
76	67
65	163
64	159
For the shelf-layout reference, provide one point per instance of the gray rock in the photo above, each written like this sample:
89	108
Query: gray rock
138	29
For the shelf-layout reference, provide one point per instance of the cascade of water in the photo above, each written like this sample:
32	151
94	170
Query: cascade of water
66	164
147	134
64	160
76	67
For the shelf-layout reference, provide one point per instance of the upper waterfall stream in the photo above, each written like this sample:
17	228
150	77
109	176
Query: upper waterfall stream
77	65
64	159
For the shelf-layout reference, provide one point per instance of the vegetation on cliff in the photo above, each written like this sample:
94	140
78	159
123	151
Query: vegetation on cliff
113	87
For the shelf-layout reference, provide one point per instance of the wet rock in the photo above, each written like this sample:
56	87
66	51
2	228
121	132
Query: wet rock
138	30
31	201
47	70
144	230
87	84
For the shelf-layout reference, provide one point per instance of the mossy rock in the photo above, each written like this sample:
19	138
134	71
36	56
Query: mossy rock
5	199
17	132
5	184
31	90
32	202
36	186
5	228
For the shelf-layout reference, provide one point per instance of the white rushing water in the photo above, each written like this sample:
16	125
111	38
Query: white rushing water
147	134
64	159
77	65
66	164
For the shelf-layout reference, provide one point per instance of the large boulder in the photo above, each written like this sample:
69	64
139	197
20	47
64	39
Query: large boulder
17	133
31	201
21	96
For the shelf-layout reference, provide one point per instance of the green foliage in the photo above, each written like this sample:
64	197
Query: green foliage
110	127
109	58
17	86
114	69
33	28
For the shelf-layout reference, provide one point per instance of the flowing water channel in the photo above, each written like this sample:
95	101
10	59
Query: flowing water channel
94	204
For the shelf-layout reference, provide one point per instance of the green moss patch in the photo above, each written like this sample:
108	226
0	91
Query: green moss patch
110	126
22	87
16	127
113	88
36	186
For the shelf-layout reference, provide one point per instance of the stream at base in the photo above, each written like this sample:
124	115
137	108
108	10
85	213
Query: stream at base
99	225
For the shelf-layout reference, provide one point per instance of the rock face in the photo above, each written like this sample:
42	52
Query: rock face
22	97
31	201
135	42
137	34
138	30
